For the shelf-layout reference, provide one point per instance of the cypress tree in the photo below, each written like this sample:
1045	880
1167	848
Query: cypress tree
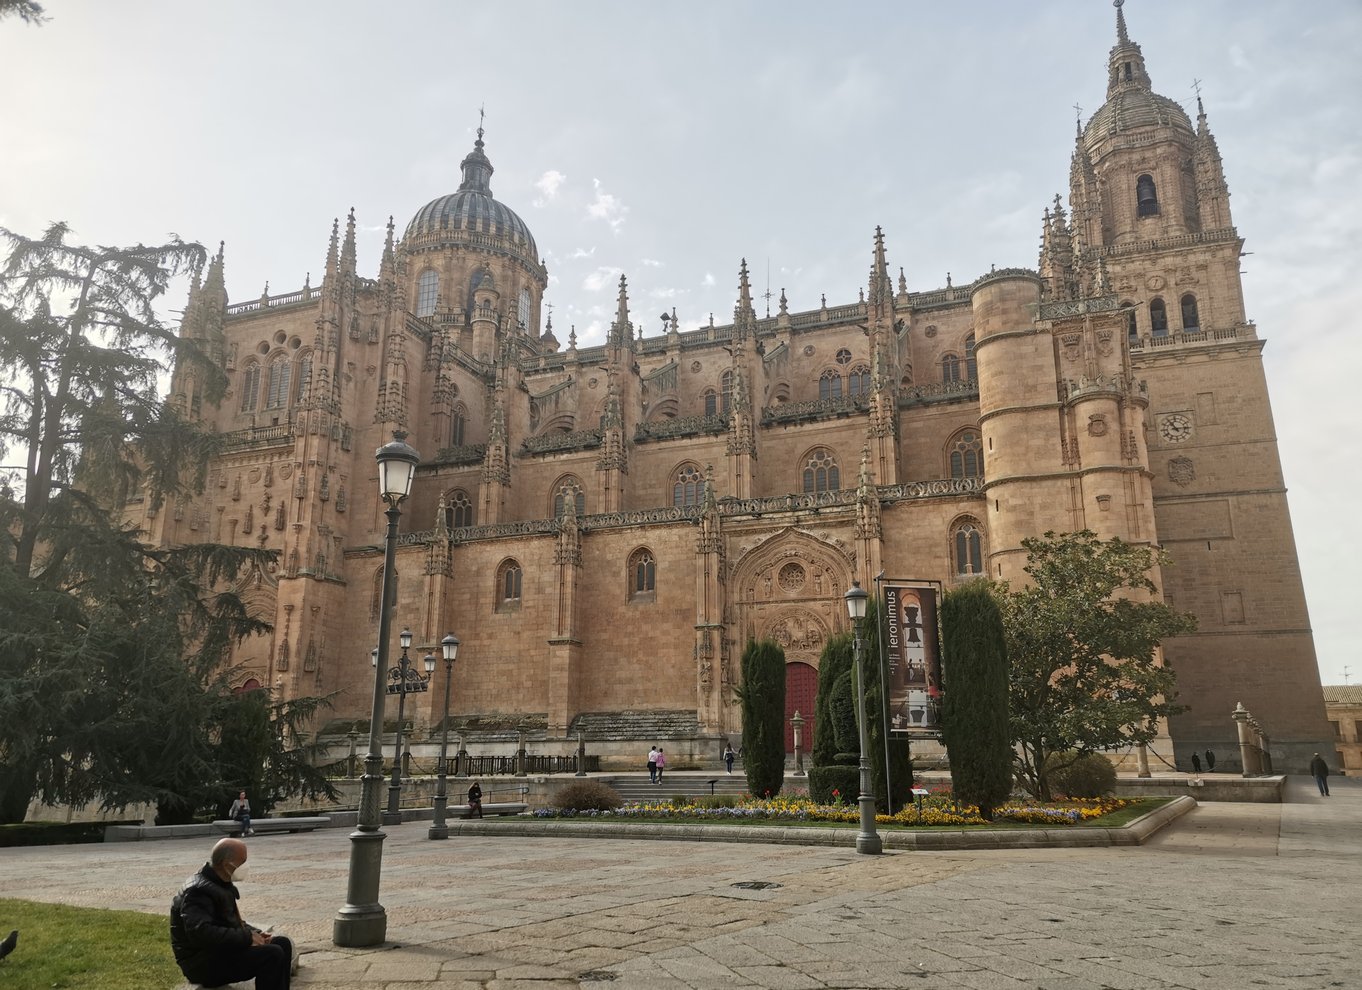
763	717
975	725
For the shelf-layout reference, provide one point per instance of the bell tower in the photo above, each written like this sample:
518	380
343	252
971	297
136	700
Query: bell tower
1149	247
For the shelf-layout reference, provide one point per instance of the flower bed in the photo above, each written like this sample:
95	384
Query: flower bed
937	810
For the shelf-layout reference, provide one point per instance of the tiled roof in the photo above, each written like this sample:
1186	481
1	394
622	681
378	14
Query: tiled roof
1347	694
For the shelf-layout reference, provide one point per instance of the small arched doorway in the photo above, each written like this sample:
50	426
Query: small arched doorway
801	685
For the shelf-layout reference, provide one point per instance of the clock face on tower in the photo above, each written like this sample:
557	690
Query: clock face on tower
1175	428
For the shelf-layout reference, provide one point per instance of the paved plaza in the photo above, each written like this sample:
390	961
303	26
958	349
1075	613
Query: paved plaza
1230	896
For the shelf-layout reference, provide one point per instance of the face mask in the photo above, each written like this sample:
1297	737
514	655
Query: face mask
241	873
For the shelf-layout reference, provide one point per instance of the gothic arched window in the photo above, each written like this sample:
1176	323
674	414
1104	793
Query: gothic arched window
688	487
1191	320
276	397
1158	318
1146	197
427	292
458	509
569	489
830	385
642	574
950	368
523	310
250	387
726	392
971	366
967	455
458	420
711	402
821	473
510	579
304	375
858	381
967	547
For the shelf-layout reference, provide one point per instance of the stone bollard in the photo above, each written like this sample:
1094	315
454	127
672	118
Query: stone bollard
581	754
1247	756
520	756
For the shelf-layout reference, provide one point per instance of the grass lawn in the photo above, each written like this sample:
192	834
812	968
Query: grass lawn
61	947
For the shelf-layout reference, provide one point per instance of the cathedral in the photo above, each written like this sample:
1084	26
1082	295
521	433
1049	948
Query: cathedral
605	527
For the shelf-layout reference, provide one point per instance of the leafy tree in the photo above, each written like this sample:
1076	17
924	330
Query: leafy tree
975	725
111	649
763	716
1082	649
25	10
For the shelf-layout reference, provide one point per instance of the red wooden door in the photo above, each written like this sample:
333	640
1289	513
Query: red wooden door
801	684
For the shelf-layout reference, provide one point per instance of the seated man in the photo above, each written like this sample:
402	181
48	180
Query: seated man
212	944
475	800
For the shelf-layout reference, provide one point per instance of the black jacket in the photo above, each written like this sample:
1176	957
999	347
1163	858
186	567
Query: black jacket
1318	768
204	920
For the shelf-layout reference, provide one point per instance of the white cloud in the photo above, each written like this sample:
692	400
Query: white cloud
601	278
548	185
651	263
708	280
582	253
606	207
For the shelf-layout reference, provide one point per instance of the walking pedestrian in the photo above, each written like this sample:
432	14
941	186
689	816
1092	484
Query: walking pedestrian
1196	763
652	764
1320	771
661	762
728	757
1210	762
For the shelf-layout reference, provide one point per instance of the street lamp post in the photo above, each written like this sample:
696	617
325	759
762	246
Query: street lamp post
402	681
450	645
867	839
798	723
363	921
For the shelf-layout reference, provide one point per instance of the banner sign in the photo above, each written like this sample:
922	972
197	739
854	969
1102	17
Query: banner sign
913	656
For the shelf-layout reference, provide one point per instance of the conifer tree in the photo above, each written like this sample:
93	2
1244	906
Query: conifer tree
111	649
763	717
975	726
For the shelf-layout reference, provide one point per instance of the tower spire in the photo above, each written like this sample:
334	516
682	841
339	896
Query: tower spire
477	168
1122	38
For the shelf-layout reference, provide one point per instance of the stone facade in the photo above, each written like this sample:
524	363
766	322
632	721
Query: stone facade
1343	705
605	527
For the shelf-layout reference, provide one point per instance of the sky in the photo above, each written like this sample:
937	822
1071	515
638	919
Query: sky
669	141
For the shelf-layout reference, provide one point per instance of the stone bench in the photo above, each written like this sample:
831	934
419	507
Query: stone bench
489	808
258	825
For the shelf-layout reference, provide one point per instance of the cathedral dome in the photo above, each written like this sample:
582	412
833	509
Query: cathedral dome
1130	109
1131	103
470	216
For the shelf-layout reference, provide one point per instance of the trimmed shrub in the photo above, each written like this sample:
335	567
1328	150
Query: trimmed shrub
1088	776
587	795
842	715
843	779
974	723
832	664
763	717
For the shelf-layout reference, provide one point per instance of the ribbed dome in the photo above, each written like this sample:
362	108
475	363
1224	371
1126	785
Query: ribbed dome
1131	100
452	218
1130	109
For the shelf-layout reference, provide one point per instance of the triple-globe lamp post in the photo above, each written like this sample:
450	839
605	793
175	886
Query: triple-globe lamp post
867	839
363	921
439	830
402	681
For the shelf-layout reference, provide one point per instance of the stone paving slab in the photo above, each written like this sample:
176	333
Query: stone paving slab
1230	896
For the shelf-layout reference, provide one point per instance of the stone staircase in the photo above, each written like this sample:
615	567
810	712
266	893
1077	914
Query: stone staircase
635	786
